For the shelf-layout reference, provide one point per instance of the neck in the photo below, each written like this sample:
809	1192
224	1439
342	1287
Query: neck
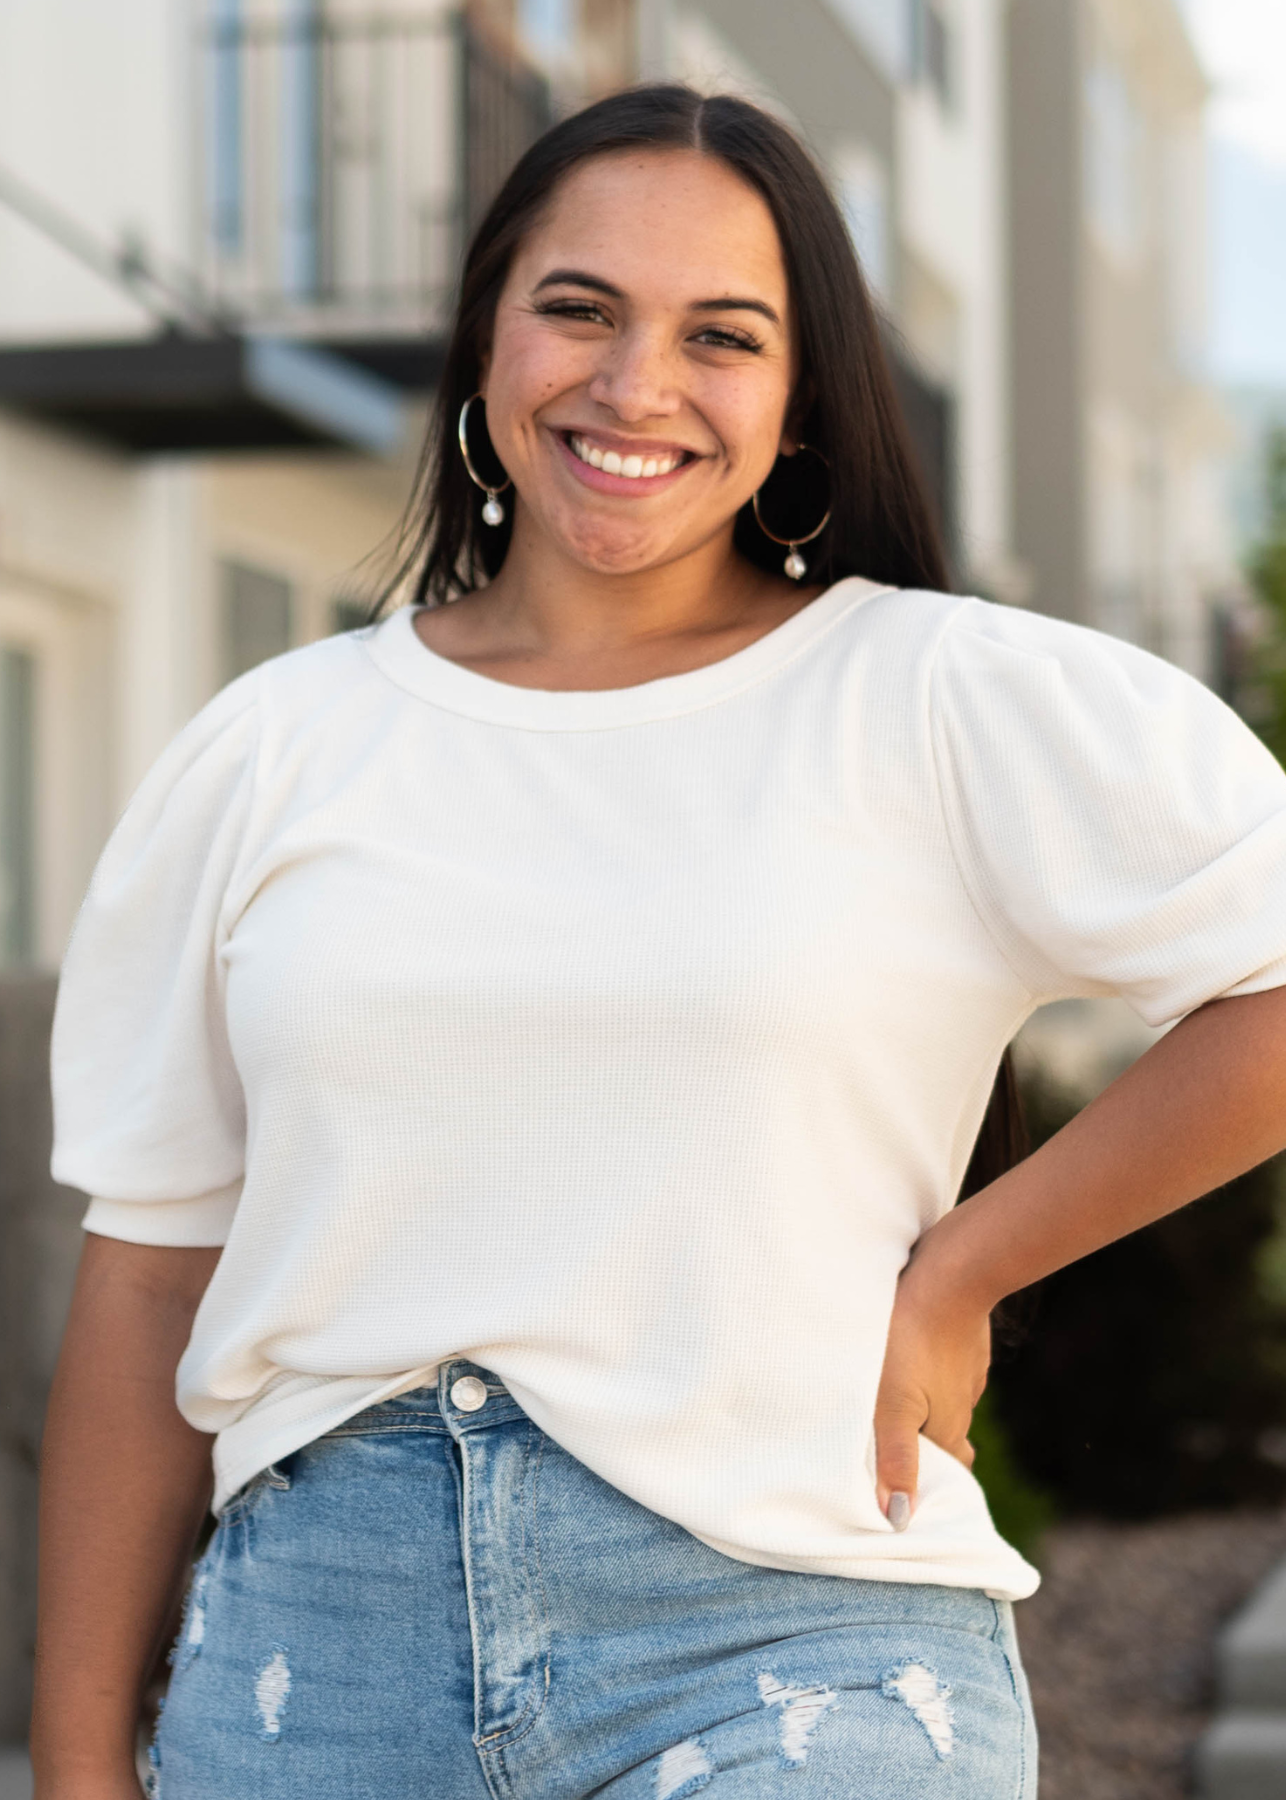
544	601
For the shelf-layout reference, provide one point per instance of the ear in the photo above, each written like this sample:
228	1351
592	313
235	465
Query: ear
792	431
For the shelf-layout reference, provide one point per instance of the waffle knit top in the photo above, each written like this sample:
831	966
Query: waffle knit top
624	1042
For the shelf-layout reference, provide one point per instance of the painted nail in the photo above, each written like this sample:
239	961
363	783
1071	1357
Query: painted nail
899	1511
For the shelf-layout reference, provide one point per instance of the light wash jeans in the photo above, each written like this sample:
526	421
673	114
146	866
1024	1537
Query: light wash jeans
438	1602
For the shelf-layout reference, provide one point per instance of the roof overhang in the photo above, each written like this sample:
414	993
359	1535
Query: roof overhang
176	393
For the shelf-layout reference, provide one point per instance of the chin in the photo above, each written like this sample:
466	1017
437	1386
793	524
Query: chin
615	556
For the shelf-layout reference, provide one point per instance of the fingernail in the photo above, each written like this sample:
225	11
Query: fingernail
899	1511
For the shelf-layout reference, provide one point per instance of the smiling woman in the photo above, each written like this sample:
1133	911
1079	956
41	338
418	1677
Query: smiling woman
547	1032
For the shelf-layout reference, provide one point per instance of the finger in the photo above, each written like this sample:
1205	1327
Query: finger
951	1434
897	1459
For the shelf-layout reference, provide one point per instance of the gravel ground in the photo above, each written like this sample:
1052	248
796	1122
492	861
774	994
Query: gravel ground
1119	1646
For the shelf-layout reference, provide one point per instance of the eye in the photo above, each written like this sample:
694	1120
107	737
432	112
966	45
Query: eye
588	310
724	337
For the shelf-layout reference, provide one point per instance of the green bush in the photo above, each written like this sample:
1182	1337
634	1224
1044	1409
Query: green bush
1022	1511
1263	699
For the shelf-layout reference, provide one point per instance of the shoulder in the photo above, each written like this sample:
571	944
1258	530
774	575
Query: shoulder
1004	689
299	682
869	610
286	686
983	640
1019	697
960	633
306	696
216	753
881	638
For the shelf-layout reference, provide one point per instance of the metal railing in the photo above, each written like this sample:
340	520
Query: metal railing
344	158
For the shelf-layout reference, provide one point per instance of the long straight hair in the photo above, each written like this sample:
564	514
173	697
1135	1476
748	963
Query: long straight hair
845	406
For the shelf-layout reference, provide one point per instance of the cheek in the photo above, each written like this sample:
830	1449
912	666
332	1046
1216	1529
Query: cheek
749	411
529	367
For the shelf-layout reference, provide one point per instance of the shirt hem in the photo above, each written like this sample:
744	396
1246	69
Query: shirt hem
232	1471
1003	1575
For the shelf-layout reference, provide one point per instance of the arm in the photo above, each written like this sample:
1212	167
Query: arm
125	1483
1204	1104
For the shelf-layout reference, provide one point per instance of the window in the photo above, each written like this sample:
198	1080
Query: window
301	243
932	49
862	186
226	223
17	806
1113	157
548	28
881	27
256	609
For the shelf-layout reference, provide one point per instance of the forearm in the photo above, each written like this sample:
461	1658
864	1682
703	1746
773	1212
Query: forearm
1204	1104
125	1482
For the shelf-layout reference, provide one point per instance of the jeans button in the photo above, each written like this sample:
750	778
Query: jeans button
468	1394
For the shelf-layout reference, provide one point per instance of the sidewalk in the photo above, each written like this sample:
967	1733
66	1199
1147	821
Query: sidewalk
1243	1755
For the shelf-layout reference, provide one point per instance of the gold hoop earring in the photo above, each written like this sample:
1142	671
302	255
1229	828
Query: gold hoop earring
794	565
492	511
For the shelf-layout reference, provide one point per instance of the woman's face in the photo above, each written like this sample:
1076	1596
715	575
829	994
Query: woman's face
641	364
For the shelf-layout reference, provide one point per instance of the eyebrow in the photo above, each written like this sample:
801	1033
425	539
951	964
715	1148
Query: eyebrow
581	278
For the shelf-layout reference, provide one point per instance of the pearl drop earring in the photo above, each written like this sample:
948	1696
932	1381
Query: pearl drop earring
493	513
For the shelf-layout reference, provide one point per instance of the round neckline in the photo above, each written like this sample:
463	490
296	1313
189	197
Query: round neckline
401	653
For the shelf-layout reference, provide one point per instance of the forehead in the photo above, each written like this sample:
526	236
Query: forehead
660	220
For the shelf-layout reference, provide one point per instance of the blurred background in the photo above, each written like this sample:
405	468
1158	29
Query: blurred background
229	233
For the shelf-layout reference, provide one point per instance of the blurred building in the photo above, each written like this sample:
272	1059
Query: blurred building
1119	438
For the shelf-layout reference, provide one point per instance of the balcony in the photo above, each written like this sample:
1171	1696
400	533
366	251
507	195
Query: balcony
342	159
346	159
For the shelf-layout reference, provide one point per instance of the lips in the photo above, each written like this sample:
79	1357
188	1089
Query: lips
633	466
620	467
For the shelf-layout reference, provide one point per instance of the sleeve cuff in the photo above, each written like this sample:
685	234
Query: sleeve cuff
203	1220
1271	976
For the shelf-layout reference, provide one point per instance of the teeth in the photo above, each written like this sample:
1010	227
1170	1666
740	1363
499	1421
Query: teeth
611	462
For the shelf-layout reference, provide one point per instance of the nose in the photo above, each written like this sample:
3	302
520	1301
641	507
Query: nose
636	378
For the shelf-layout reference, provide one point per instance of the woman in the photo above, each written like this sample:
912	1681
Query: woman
524	1056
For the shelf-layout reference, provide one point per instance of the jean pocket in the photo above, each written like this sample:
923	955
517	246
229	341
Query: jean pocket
276	1477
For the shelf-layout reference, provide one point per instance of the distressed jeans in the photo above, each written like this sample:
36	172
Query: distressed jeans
435	1600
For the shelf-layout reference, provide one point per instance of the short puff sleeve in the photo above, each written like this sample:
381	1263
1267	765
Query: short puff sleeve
149	1115
1118	828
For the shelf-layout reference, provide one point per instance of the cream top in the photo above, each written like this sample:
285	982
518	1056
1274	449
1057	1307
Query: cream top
624	1042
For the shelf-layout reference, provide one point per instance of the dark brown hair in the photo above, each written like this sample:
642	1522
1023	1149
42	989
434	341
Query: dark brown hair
881	526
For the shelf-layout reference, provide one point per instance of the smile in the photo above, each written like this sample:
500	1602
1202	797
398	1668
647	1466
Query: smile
633	467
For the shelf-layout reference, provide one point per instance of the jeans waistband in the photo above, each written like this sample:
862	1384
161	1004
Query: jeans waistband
464	1397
